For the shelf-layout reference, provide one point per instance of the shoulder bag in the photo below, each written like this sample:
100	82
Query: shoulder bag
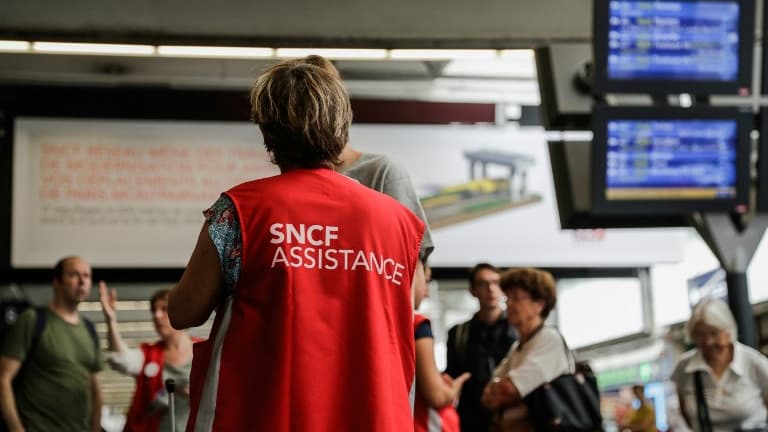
569	403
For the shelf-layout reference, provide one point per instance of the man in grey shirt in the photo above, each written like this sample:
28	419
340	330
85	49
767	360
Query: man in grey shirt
380	173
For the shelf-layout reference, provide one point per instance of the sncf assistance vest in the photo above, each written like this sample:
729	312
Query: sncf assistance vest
318	334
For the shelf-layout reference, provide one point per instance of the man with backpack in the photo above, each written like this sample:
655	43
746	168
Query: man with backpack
478	345
50	361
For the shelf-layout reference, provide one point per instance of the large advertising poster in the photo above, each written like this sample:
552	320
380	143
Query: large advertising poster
130	193
488	193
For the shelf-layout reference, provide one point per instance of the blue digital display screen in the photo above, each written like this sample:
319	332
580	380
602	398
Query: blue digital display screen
671	159
673	40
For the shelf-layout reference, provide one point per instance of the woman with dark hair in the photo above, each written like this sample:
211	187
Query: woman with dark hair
539	355
310	273
151	364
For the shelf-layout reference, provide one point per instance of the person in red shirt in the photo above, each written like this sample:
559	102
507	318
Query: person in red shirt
150	364
316	332
435	393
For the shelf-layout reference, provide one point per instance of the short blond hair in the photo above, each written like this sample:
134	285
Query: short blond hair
304	113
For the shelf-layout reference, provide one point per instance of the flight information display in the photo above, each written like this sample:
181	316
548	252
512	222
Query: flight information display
673	40
671	159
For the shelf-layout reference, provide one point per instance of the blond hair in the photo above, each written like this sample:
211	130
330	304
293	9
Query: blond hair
304	113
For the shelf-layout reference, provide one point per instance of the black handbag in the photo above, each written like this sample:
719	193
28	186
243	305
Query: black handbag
570	402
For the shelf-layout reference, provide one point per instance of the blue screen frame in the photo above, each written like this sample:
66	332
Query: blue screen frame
665	160
637	50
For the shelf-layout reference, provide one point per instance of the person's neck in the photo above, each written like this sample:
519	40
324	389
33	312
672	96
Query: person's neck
66	311
490	315
348	157
526	330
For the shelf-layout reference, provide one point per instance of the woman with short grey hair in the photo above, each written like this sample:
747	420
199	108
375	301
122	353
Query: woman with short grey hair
733	377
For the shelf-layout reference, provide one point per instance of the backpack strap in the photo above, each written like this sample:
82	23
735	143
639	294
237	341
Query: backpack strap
41	318
462	341
92	331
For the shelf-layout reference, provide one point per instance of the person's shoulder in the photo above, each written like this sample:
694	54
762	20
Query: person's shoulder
381	163
549	335
752	356
30	313
463	324
682	364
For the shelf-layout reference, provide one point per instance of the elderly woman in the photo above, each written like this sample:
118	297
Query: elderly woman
310	274
734	377
538	356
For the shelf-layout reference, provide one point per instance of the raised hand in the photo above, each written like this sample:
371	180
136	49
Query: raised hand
108	300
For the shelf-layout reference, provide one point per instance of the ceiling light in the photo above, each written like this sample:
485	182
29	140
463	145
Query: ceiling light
515	68
441	54
13	45
333	53
214	51
517	54
91	48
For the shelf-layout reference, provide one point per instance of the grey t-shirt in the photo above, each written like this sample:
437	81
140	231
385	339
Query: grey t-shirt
180	402
380	173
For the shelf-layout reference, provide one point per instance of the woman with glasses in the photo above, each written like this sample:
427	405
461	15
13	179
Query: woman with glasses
538	356
733	377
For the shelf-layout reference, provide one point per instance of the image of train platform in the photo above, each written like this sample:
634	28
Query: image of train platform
482	195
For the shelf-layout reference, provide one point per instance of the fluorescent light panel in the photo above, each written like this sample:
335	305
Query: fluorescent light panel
263	52
214	51
441	54
333	53
13	45
91	48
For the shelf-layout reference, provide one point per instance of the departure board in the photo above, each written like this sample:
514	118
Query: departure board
673	40
671	159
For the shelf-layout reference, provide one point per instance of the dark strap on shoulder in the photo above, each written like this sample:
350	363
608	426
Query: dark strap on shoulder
570	358
41	317
702	411
461	343
92	331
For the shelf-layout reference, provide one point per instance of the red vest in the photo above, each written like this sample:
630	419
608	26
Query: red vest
139	418
320	333
426	418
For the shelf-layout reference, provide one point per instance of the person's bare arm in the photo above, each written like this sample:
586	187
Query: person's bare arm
197	294
95	403
419	280
429	383
108	300
9	367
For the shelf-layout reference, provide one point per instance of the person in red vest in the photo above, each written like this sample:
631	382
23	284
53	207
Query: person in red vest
151	364
310	274
435	393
